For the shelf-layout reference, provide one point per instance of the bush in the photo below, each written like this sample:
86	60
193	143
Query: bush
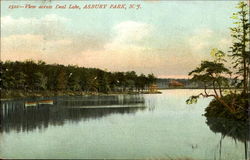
216	109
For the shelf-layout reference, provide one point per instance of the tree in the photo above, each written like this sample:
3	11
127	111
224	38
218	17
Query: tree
240	49
120	80
93	84
61	80
40	81
102	79
216	75
130	80
74	82
212	73
30	68
20	80
51	73
7	78
141	82
37	75
151	79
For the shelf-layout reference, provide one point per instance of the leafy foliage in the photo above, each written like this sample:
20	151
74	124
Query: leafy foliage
36	76
192	99
216	74
211	73
240	51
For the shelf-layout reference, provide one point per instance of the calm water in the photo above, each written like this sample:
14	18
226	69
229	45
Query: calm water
121	126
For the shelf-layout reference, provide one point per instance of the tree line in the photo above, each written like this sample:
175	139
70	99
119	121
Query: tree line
37	76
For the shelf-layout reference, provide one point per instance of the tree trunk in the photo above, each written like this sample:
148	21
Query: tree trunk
244	53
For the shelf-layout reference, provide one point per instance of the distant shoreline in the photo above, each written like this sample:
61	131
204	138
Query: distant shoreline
20	94
12	95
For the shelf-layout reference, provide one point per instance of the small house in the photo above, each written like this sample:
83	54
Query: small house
153	88
175	84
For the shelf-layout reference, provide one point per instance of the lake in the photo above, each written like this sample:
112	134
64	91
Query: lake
113	127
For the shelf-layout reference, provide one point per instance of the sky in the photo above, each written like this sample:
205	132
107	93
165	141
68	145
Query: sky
166	38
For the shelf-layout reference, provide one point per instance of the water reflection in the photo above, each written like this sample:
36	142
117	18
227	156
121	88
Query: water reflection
238	130
30	114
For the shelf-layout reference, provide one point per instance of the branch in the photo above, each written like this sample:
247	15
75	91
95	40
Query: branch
205	90
220	90
206	95
215	89
230	108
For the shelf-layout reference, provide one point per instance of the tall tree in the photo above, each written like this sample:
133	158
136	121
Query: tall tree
102	79
74	82
7	78
61	80
40	81
151	79
20	80
240	49
212	73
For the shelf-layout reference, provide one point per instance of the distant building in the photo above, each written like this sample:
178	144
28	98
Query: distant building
153	88
174	83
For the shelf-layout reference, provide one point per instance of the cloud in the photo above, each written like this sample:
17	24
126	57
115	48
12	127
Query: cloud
128	35
29	46
51	26
125	50
43	38
129	47
37	47
225	43
200	40
131	30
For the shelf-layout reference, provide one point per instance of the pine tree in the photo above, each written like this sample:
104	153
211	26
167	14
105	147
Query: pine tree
240	48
